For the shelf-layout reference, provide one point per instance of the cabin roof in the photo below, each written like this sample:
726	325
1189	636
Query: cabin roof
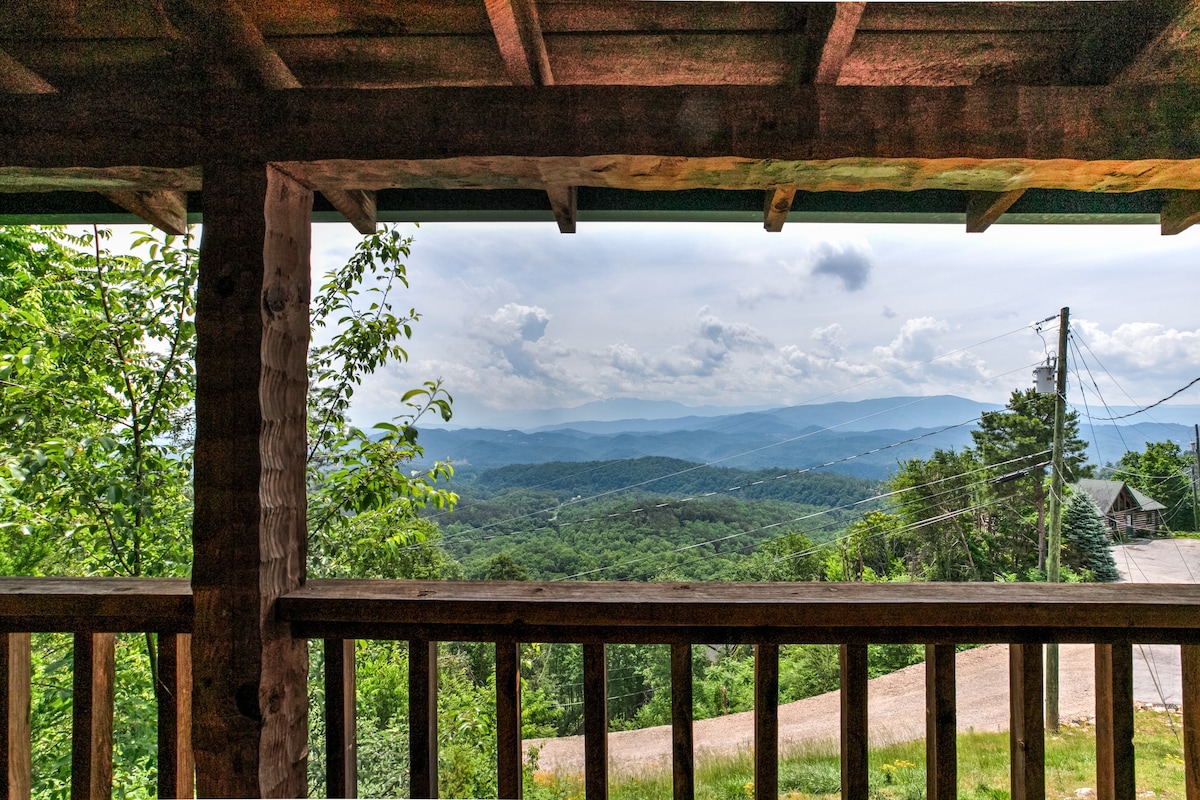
609	109
1106	493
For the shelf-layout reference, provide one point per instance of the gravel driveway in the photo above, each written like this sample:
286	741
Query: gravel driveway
897	701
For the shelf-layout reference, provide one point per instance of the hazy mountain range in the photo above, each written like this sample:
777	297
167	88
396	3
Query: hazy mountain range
866	438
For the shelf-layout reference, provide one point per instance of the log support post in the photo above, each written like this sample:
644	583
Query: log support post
92	716
341	740
766	722
250	711
595	721
15	731
854	721
1027	733
422	718
1190	709
1114	722
176	766
508	720
941	723
683	759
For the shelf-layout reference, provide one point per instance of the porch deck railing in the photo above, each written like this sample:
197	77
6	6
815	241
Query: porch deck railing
1025	616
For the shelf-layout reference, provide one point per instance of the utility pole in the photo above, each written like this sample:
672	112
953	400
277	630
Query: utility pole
1054	543
1195	478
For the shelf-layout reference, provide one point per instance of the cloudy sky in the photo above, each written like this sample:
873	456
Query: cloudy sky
519	317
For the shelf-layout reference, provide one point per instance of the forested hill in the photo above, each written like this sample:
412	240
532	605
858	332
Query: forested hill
667	476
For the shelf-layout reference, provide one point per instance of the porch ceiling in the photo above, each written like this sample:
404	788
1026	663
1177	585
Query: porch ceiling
608	109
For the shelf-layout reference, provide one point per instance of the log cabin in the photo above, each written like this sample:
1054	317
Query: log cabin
259	117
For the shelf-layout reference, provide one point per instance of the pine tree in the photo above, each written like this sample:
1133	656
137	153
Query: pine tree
1085	542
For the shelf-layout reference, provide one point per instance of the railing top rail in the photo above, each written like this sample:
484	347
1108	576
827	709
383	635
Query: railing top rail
716	612
112	605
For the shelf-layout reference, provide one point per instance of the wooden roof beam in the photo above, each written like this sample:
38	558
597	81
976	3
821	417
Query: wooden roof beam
838	42
778	204
984	208
164	209
564	200
1180	211
16	78
519	36
231	44
1030	127
1147	65
356	205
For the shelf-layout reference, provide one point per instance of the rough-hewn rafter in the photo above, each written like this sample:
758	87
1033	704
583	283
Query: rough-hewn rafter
356	205
564	201
231	45
839	40
803	123
165	210
1180	211
984	208
1148	63
16	78
519	37
778	204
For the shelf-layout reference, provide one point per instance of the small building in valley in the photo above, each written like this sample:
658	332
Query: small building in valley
1127	512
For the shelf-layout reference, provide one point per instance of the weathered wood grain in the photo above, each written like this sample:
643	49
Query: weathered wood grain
1115	779
683	754
564	202
165	210
595	721
838	42
250	705
853	664
509	752
1190	710
176	764
1180	211
15	723
341	738
92	716
1027	738
519	37
766	722
777	205
941	723
16	78
670	612
422	718
791	124
984	208
123	605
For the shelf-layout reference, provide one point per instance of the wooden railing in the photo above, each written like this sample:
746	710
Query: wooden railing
94	610
1025	616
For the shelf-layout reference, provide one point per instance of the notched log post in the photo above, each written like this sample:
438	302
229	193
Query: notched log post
250	708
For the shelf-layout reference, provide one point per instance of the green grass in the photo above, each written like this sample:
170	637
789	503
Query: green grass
897	772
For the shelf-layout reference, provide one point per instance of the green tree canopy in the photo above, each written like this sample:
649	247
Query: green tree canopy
1162	471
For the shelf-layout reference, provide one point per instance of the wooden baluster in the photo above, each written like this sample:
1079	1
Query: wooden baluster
1027	739
683	758
1114	722
92	716
853	659
15	731
941	723
766	722
1190	708
595	722
422	718
508	720
341	736
176	763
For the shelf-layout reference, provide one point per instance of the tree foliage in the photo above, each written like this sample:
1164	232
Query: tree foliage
1085	540
1162	471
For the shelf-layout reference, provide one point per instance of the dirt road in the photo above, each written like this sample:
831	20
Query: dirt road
897	701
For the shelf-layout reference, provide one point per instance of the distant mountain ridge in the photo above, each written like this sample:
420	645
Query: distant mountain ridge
867	438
